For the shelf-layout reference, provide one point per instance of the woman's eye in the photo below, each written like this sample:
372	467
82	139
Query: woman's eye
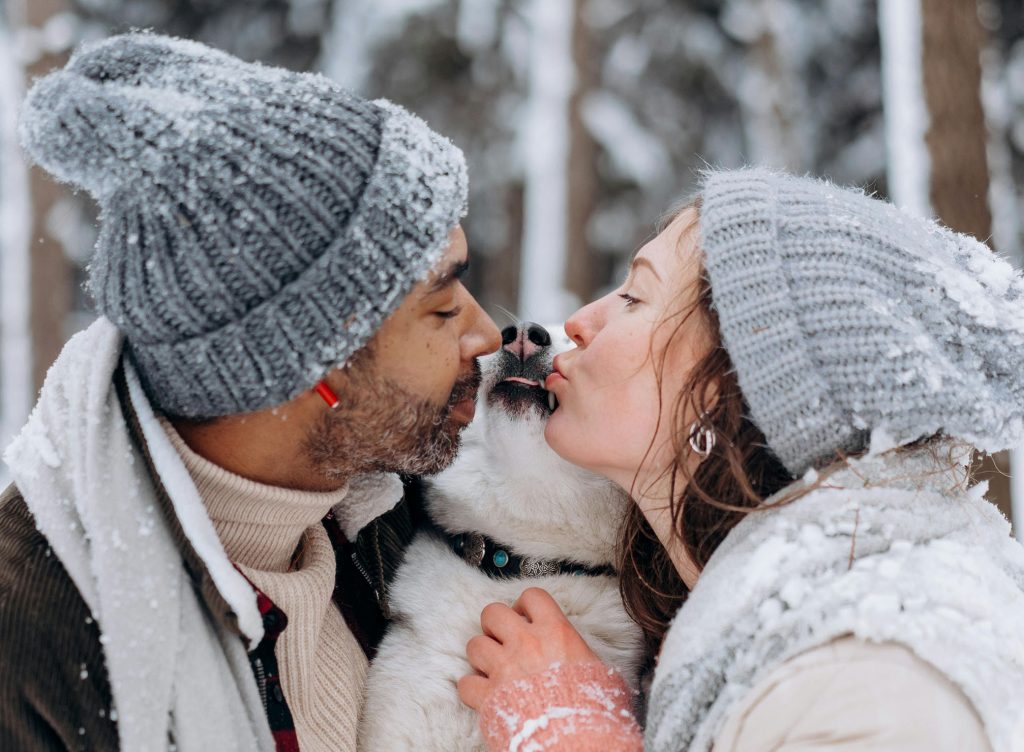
450	313
630	300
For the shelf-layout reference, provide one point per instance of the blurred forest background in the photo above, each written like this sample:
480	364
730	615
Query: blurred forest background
583	122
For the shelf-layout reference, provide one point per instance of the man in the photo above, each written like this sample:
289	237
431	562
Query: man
283	326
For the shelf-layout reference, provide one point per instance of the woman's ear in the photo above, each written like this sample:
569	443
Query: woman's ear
709	400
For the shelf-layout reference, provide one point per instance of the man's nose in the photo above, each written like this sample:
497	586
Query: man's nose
524	340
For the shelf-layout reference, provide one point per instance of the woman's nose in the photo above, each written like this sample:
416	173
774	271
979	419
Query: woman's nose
580	327
524	340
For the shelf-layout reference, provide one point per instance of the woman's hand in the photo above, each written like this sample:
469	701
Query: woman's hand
519	641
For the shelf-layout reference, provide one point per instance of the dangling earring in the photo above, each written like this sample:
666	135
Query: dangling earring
702	437
328	395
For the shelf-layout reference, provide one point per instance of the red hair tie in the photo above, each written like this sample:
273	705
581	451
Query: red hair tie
328	395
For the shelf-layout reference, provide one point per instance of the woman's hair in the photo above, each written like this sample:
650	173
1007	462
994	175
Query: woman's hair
737	475
735	478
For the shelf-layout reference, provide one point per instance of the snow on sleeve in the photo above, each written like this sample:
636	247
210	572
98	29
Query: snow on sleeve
577	706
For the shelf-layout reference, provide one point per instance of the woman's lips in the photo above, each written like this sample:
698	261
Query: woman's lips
464	411
553	378
556	371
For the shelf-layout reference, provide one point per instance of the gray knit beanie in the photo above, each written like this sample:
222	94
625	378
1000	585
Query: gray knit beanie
256	225
854	325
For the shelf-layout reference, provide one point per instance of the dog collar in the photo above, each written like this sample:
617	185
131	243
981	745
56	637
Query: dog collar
501	562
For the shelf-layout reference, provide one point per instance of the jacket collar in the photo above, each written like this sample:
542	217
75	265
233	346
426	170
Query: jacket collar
839	494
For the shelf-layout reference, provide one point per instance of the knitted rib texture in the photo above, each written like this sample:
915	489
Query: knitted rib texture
256	225
853	324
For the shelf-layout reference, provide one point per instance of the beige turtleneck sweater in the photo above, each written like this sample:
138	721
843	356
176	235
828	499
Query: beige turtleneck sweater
275	537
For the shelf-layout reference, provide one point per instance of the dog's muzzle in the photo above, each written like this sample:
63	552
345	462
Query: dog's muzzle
523	364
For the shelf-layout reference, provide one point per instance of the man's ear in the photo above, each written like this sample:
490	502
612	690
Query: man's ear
332	387
327	394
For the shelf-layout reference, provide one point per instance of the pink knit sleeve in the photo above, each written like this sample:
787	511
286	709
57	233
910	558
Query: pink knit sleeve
583	707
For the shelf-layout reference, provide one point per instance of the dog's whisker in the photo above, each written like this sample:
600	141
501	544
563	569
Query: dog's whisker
515	319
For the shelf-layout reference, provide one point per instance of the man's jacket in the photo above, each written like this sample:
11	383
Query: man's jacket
55	689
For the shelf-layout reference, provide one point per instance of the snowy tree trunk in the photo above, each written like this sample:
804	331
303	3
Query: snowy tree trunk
906	115
776	118
545	150
345	54
500	280
52	273
937	142
15	212
581	277
1016	468
957	142
1006	224
956	139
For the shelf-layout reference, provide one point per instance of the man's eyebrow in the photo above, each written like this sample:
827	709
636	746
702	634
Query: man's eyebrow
455	271
641	261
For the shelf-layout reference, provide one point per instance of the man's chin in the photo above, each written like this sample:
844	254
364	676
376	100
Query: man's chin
405	436
443	449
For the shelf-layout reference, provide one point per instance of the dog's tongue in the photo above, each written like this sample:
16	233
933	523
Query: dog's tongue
528	382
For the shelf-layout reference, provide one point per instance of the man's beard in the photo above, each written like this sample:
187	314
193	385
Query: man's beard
382	427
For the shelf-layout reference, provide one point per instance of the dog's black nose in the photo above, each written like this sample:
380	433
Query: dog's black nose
513	339
538	335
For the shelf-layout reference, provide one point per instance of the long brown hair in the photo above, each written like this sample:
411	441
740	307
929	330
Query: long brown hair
737	476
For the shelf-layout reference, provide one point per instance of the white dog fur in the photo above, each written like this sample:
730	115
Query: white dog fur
509	485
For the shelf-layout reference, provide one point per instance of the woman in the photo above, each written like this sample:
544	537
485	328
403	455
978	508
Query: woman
787	383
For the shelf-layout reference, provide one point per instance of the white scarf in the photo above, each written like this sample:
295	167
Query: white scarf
172	675
872	554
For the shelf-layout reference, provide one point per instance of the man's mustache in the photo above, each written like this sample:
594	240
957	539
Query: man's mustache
467	386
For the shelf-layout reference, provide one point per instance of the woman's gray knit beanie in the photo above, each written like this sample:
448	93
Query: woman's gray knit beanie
855	325
256	225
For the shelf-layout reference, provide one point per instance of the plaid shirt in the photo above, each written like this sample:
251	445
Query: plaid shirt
358	598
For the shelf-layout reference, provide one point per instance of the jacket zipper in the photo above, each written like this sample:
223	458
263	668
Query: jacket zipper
261	682
365	574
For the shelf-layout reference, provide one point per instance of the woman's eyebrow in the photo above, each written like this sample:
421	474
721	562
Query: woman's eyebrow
641	261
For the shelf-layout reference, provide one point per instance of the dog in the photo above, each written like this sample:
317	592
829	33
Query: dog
508	514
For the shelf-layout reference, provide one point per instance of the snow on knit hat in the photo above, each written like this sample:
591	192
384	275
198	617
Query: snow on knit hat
855	325
256	225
